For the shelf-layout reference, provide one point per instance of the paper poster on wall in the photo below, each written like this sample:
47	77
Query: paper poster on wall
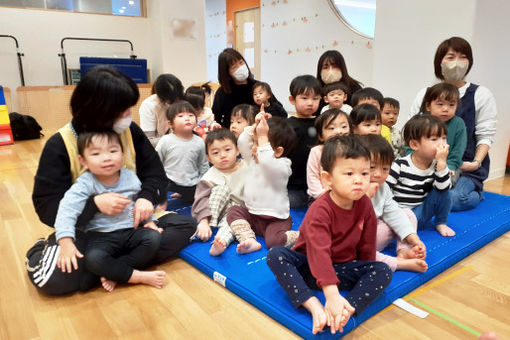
249	56
249	32
183	28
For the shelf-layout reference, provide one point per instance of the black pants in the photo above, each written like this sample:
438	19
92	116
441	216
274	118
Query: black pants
116	254
187	193
47	278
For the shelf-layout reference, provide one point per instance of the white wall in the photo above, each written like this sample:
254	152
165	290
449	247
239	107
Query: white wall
405	44
39	33
312	36
216	34
491	56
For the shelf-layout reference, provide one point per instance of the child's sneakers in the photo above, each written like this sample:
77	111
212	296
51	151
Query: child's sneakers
292	236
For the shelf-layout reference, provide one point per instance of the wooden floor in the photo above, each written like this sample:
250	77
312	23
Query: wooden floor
475	293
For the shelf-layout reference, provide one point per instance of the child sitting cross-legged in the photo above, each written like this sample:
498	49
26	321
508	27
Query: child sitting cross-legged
116	248
392	221
336	246
330	123
219	189
421	181
267	211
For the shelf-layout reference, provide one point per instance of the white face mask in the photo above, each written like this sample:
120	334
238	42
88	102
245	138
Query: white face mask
331	75
122	124
454	70
241	74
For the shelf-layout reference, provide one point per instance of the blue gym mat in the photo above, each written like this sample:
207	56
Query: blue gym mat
249	277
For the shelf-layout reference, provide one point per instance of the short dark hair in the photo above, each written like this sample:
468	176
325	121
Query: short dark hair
281	134
100	97
246	111
203	89
443	91
85	138
367	93
225	60
336	58
169	88
326	118
305	84
364	112
338	85
391	102
176	108
380	150
219	134
420	126
342	147
457	44
197	101
266	87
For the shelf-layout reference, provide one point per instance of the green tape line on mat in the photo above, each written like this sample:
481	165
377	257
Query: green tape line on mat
447	318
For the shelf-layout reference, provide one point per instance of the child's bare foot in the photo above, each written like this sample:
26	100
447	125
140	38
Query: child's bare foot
445	230
108	285
314	306
416	252
413	265
217	247
248	246
176	195
152	278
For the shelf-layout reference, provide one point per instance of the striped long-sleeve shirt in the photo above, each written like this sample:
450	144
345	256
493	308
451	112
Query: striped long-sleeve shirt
411	185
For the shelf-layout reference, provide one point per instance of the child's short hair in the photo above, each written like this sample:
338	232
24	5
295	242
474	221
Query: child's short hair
219	134
342	147
245	111
85	138
266	87
176	108
391	102
169	88
200	90
327	117
281	134
364	112
305	84
380	150
338	85
367	93
196	100
423	126
443	91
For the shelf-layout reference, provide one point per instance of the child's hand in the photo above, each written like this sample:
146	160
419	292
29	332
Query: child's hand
142	210
262	128
419	248
152	225
204	232
372	189
441	155
338	310
68	253
469	166
111	203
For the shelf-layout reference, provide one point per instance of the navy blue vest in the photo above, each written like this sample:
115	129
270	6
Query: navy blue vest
466	111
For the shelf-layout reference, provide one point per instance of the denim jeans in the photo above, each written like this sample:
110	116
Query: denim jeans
437	204
464	195
298	199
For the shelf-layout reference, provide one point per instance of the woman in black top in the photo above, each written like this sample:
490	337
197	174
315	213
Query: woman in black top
236	82
102	100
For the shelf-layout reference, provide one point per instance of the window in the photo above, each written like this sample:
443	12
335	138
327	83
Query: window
115	7
358	15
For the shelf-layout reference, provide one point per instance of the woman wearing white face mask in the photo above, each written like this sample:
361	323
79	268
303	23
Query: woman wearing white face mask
101	101
452	62
331	68
236	82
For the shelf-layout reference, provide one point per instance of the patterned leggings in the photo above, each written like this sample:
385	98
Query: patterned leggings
366	280
220	203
